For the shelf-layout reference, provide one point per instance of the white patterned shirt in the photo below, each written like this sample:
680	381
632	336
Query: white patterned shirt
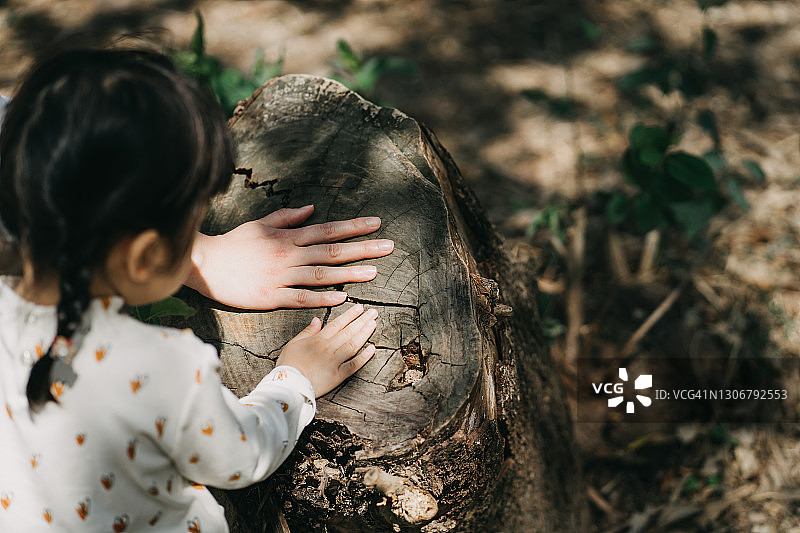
130	444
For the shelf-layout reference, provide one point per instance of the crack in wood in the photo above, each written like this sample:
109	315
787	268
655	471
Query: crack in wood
250	352
378	303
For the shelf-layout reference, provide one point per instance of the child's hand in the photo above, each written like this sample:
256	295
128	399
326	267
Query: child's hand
327	356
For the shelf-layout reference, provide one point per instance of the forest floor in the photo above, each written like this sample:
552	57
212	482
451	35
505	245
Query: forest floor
535	100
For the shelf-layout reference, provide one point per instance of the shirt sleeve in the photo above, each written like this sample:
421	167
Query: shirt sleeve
230	443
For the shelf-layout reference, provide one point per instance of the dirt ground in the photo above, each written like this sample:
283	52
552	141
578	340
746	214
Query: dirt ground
527	97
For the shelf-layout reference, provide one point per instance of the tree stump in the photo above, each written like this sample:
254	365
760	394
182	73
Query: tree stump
438	432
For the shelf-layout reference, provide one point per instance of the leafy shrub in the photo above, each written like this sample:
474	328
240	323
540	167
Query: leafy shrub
229	85
675	188
362	74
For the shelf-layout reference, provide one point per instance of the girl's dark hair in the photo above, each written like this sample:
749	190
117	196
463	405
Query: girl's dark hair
98	145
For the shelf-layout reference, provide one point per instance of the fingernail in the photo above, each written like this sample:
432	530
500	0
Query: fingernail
307	206
367	270
385	245
372	222
339	296
371	313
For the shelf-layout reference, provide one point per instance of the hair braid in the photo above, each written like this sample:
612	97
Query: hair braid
74	281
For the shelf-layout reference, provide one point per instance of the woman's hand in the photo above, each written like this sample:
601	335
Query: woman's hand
327	356
257	264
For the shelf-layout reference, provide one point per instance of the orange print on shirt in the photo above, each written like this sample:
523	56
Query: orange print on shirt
284	406
235	477
198	486
153	490
39	350
169	486
193	526
83	509
106	302
137	383
281	375
197	377
160	426
208	429
5	500
107	480
47	515
34	461
153	521
56	389
8	412
243	436
120	523
99	354
80	438
193	459
131	450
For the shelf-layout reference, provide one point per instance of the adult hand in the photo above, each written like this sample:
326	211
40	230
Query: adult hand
259	264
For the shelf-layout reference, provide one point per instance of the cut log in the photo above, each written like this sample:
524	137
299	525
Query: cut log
434	434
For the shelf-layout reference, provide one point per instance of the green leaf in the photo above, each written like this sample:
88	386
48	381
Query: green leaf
690	170
617	209
651	142
694	215
370	72
198	45
736	193
590	30
350	61
692	484
755	170
647	213
715	160
635	172
651	156
171	306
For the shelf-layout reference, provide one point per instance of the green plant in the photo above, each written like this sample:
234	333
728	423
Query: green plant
554	218
362	74
688	72
229	85
691	484
675	188
154	312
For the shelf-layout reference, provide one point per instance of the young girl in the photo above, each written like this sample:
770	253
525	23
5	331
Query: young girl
108	160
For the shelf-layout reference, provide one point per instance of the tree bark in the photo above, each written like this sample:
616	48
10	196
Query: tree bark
458	423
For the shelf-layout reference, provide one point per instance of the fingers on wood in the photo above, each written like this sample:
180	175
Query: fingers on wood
355	335
306	298
287	217
336	230
350	367
338	324
322	275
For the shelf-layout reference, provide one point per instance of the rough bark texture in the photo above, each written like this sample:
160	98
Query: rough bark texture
458	422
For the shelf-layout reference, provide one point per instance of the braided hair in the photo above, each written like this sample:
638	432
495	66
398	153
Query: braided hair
97	146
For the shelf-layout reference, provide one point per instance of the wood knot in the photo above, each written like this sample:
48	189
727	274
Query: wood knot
415	365
488	300
409	503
